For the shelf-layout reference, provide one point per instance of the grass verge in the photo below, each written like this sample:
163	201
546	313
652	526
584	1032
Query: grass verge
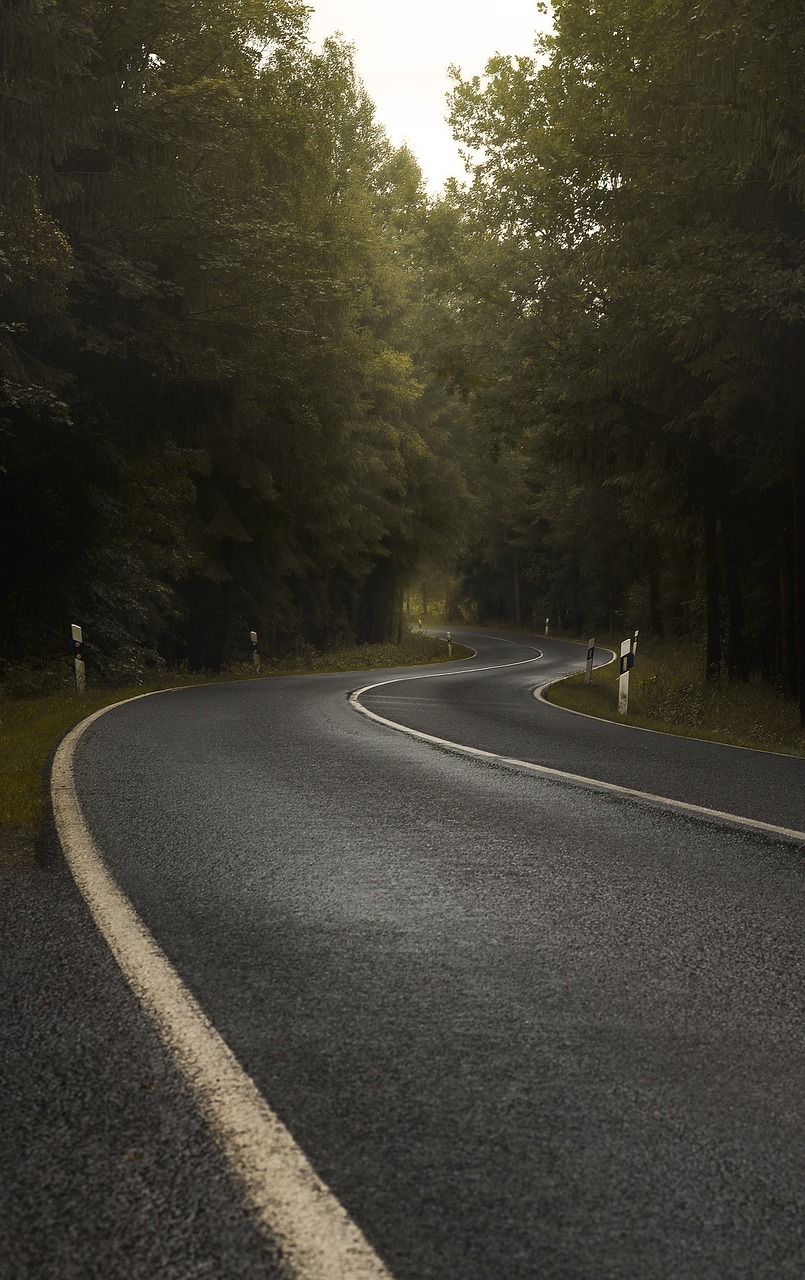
668	692
30	726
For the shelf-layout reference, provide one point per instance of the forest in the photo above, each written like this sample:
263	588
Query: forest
252	376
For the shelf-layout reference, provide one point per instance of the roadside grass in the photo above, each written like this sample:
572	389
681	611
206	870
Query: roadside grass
29	727
668	692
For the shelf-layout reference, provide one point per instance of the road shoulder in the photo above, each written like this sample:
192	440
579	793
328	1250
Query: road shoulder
107	1168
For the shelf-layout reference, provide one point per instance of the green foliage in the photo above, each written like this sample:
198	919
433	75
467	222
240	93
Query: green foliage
631	293
217	405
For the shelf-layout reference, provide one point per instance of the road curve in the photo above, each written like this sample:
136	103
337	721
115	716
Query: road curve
520	1026
494	717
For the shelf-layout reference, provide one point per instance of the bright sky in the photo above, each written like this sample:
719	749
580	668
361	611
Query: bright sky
403	50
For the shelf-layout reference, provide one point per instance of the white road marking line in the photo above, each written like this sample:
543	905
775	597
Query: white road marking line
545	771
290	1203
436	675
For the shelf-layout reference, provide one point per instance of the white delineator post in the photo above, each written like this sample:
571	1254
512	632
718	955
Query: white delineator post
255	651
547	624
449	644
77	638
590	658
627	661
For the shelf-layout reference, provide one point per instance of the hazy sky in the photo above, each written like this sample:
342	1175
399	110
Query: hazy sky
403	51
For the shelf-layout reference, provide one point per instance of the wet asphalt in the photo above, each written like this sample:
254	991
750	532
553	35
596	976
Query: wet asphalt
522	1027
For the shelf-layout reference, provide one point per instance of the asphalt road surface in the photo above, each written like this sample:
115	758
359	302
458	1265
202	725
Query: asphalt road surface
522	1027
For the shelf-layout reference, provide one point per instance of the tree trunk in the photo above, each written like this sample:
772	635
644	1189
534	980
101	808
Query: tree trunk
737	662
713	589
373	627
653	576
518	611
799	566
788	630
227	619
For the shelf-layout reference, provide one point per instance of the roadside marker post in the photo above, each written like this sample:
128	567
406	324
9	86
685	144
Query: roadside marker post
627	662
449	644
76	641
547	624
590	658
255	652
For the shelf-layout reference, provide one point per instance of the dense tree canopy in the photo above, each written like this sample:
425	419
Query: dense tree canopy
252	376
631	282
217	407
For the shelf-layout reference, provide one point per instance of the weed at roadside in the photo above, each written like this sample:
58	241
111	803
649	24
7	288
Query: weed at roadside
668	693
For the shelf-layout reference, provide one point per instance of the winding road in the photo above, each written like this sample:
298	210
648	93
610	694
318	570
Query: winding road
524	988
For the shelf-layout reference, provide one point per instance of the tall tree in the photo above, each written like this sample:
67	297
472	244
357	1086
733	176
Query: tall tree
220	408
640	199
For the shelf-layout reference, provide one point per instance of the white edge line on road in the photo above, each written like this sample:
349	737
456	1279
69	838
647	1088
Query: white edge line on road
561	775
290	1203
